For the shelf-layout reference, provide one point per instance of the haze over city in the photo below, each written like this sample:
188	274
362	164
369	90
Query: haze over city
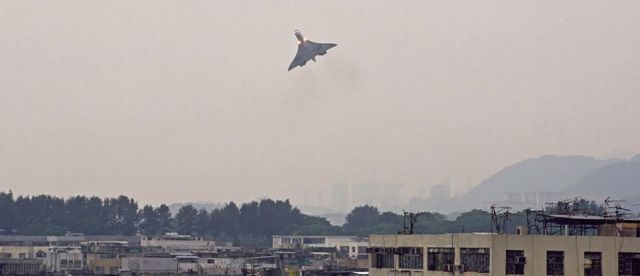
169	101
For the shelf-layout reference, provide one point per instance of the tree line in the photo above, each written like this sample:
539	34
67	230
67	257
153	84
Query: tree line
50	215
249	224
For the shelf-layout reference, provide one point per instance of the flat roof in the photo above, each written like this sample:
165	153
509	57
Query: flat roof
586	219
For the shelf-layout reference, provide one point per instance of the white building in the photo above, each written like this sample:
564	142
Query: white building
64	259
352	246
173	242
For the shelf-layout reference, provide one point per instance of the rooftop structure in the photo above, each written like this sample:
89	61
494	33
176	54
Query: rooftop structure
351	246
571	217
173	242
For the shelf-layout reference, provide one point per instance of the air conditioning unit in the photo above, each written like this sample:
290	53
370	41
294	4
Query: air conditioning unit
459	268
588	263
521	260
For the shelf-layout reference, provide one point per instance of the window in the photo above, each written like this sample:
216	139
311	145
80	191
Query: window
343	250
410	257
592	264
628	264
382	257
362	249
22	255
515	262
440	258
313	240
475	259
555	262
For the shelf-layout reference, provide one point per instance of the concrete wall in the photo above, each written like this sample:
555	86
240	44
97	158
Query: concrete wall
535	249
336	242
149	265
98	264
28	251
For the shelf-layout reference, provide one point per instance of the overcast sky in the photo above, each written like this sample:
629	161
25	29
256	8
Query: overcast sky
172	101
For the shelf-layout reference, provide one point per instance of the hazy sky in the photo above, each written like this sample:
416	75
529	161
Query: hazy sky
171	101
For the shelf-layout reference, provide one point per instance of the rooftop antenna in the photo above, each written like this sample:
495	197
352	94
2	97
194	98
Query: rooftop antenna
616	210
499	218
411	218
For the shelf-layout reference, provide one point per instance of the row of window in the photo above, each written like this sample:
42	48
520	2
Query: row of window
478	260
354	249
628	263
64	263
310	240
438	259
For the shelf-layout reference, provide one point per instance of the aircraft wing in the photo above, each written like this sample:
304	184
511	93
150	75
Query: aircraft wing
301	57
321	47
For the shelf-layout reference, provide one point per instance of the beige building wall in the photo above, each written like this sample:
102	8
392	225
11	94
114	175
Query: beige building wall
535	249
29	252
98	264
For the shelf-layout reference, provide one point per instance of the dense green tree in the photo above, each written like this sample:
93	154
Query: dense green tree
7	222
165	219
202	223
185	220
95	217
250	218
122	215
251	224
432	223
149	221
472	221
362	216
229	219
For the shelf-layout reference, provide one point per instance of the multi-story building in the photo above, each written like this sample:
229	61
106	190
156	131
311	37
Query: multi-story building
173	242
23	251
105	257
493	254
351	246
64	259
21	266
150	265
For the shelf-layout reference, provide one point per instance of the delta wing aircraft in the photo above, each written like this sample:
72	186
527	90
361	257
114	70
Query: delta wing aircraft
308	50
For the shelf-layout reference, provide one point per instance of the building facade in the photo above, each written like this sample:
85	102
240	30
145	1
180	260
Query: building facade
64	259
173	242
494	254
351	246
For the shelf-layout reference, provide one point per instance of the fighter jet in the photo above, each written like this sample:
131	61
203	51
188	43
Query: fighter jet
308	50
